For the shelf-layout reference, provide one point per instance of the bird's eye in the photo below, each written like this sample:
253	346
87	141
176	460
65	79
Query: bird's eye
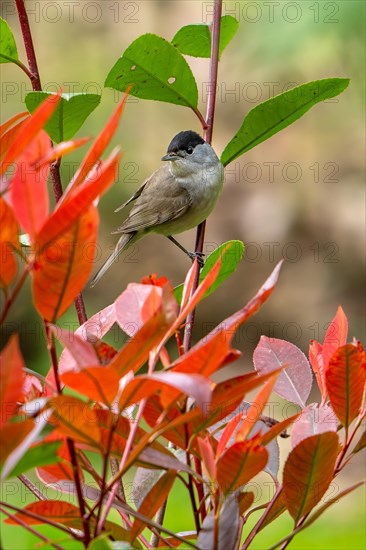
189	150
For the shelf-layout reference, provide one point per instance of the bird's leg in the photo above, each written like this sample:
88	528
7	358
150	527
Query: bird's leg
191	255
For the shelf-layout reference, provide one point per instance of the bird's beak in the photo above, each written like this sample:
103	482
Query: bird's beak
170	156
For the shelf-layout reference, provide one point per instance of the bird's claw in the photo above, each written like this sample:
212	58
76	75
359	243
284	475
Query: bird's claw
200	257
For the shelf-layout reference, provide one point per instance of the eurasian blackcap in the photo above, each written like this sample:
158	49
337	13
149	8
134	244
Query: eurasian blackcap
177	197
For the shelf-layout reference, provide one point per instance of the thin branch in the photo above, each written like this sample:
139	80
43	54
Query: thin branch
30	529
262	519
30	485
34	76
29	47
211	100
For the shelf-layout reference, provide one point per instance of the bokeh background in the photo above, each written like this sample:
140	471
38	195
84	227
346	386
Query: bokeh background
300	195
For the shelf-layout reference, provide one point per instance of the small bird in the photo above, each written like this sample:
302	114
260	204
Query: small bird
176	197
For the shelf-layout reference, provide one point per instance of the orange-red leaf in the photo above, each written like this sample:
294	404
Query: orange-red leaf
255	411
8	242
153	500
138	303
98	383
168	385
245	499
11	122
239	463
335	337
8	137
73	205
308	473
211	353
11	378
345	380
134	354
228	395
12	436
316	362
55	510
208	457
75	419
62	149
62	269
29	129
28	186
100	144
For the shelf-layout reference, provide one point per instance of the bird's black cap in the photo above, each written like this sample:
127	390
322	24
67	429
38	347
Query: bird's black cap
183	140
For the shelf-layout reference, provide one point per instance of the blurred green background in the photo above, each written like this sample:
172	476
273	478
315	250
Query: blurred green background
300	195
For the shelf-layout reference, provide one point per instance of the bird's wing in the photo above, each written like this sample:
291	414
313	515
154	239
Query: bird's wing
160	199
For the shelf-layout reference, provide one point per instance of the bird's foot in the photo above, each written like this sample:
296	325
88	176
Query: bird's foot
200	257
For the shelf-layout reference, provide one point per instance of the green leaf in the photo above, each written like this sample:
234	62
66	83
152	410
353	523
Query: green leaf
268	118
230	261
8	47
195	40
156	70
70	114
41	455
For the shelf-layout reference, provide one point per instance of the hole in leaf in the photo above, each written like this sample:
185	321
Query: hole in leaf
172	79
133	67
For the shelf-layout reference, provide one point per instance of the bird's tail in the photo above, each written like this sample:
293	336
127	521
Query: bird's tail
123	242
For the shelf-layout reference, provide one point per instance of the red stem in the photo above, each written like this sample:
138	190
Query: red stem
208	129
37	86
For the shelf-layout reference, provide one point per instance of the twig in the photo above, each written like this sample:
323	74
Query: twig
34	76
262	519
33	489
30	529
208	129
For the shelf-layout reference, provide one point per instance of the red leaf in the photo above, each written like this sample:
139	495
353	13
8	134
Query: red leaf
12	436
62	149
82	351
313	420
153	500
28	191
134	354
100	145
213	351
11	122
239	463
316	362
55	510
294	382
308	473
75	419
245	502
255	411
8	242
92	330
137	304
11	378
208	457
335	337
53	473
63	268
345	381
169	385
73	205
8	137
228	395
29	129
98	383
